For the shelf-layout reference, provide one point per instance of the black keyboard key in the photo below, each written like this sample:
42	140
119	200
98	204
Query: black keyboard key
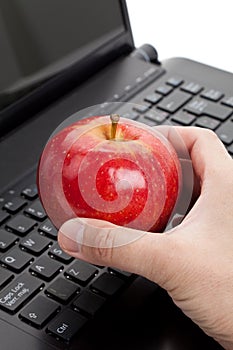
7	240
48	229
19	291
107	284
46	268
184	118
16	260
141	108
30	192
21	225
228	101
207	122
153	98
174	101
39	312
88	303
35	243
230	149
36	211
192	88
175	81
121	273
131	115
81	272
212	94
14	205
156	115
5	277
225	132
62	290
3	216
164	89
147	121
66	325
201	107
57	253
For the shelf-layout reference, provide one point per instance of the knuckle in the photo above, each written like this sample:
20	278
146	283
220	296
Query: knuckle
105	245
210	134
102	247
207	133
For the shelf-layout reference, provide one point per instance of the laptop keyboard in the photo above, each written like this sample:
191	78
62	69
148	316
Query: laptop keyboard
42	286
186	103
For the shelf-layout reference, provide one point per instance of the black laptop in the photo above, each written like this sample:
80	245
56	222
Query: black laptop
58	57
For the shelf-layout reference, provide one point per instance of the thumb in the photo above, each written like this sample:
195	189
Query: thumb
103	243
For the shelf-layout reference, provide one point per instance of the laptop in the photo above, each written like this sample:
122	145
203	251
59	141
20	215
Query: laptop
56	59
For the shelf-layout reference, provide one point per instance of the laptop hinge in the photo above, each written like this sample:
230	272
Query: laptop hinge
146	53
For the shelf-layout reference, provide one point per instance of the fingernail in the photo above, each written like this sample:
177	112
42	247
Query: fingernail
73	230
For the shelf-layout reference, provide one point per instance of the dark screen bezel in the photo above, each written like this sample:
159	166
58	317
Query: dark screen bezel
40	97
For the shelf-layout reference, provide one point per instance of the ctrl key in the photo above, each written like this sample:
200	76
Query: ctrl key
66	325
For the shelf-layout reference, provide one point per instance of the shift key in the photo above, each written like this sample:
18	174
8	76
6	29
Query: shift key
18	292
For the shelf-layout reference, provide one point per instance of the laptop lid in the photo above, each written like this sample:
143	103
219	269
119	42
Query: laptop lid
46	49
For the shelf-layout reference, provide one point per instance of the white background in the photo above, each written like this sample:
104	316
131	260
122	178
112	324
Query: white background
201	30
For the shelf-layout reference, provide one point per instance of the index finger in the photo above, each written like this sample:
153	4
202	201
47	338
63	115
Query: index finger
205	149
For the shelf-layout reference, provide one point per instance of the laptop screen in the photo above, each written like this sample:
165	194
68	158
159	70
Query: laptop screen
39	39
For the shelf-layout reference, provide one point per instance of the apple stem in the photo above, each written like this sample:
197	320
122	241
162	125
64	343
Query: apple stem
114	119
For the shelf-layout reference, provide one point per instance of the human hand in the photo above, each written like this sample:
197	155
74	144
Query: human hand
194	260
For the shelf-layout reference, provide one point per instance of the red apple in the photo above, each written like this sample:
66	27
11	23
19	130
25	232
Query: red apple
126	173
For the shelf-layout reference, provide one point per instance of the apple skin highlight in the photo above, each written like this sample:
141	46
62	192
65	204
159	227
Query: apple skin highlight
132	180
